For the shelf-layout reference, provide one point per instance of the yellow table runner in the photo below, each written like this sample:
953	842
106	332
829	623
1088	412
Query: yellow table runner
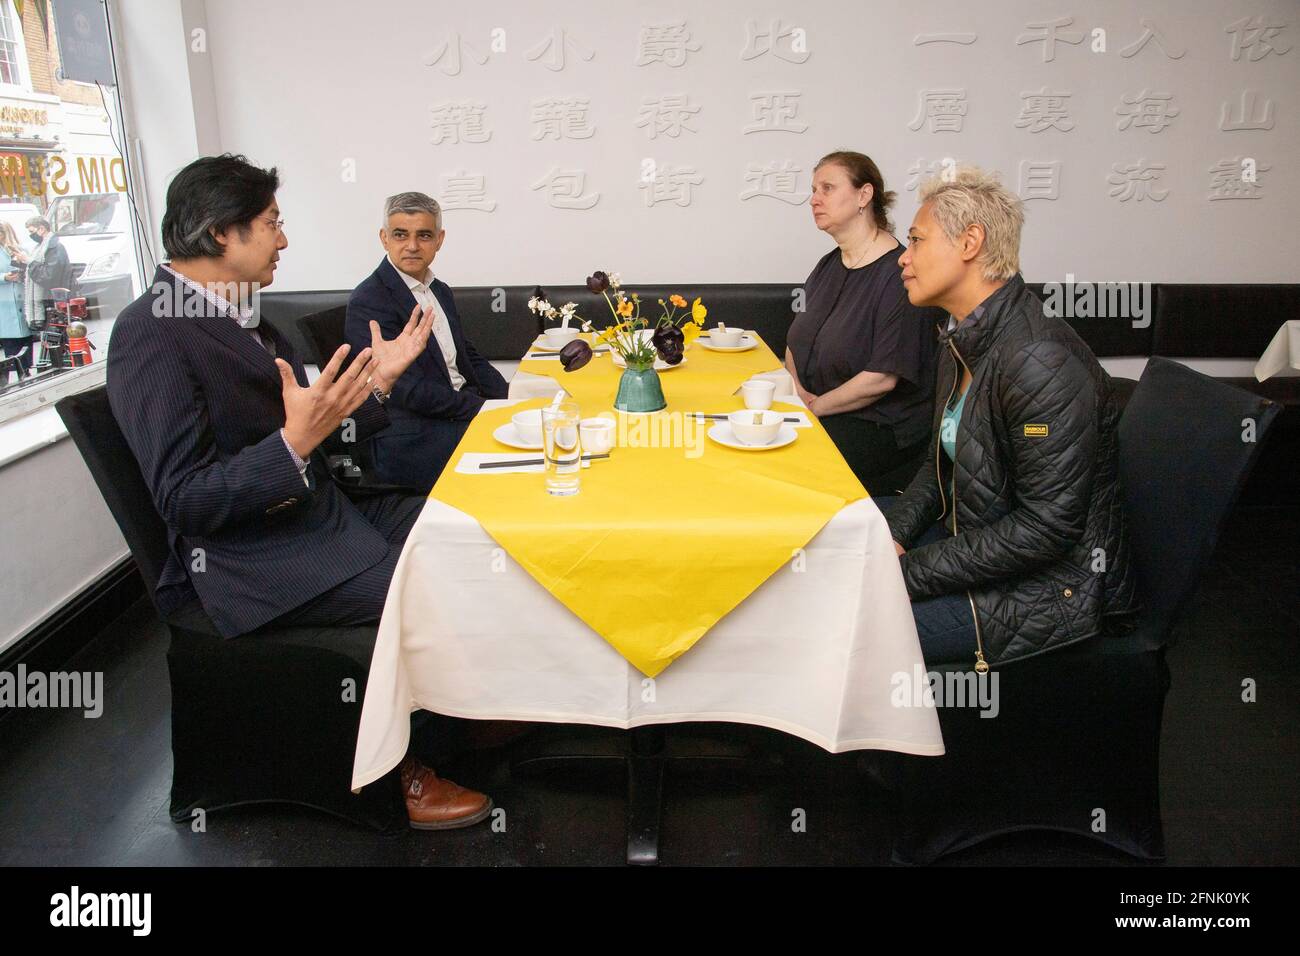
704	375
667	535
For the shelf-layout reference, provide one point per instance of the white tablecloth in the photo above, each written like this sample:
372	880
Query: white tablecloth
1282	357
818	650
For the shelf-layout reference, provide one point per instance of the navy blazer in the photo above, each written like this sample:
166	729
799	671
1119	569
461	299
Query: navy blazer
428	415
199	401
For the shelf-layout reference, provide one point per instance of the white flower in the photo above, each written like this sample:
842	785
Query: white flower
532	304
544	306
568	309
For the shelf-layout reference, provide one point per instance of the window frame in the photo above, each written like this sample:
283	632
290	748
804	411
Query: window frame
24	84
19	402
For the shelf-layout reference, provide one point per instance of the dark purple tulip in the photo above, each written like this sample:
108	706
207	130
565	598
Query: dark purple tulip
668	340
575	355
598	281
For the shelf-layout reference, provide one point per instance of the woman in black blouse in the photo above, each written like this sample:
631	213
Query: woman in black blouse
861	355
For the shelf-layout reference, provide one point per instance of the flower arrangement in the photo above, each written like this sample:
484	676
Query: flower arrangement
542	307
672	332
623	337
631	337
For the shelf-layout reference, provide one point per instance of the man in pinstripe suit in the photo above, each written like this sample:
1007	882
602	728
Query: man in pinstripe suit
227	431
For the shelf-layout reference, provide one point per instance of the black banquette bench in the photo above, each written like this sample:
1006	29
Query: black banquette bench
1182	322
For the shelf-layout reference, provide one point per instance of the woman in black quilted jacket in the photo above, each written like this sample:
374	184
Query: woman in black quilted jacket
1011	536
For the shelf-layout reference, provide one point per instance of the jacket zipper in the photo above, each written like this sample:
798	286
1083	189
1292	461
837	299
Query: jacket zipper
981	665
938	438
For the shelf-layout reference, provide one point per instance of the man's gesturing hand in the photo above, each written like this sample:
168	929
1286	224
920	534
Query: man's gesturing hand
311	414
394	357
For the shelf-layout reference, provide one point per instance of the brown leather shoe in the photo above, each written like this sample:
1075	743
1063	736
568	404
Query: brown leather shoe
435	804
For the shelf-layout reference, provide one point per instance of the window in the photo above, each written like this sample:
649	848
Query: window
9	40
60	161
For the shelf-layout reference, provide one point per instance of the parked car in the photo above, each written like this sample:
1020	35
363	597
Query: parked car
95	229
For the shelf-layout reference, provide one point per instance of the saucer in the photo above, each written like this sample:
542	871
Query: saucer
747	342
507	435
539	344
722	434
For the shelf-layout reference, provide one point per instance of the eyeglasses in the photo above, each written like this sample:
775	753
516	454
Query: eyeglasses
277	224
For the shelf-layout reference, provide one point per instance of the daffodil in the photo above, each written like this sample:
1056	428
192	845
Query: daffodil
698	312
690	332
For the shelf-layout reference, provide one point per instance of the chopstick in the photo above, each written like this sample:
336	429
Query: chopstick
723	418
556	355
530	461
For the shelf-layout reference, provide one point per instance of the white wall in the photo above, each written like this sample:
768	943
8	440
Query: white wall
310	86
155	73
59	536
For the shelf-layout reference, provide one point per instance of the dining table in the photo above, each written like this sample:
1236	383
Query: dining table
688	580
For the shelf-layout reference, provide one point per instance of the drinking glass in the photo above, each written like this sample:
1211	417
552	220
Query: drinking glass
562	447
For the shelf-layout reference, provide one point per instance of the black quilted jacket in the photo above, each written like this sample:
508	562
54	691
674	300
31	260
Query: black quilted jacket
1032	498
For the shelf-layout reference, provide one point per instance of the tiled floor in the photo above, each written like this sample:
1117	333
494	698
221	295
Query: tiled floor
77	791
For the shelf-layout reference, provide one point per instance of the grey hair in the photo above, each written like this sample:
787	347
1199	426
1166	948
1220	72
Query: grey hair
972	196
39	221
411	203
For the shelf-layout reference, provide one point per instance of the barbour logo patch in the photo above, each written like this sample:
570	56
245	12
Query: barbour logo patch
1035	431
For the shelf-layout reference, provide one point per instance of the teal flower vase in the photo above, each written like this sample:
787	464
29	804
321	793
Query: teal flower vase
639	391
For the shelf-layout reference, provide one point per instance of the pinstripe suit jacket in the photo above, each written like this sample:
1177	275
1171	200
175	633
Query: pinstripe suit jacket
199	401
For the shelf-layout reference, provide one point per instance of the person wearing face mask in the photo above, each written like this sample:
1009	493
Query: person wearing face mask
862	356
48	268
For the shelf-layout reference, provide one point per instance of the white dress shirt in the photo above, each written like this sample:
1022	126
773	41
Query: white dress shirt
441	330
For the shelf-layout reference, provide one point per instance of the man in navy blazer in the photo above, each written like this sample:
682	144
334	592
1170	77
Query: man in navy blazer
228	433
432	404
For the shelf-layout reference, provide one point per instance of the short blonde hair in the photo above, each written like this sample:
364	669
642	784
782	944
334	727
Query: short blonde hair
970	196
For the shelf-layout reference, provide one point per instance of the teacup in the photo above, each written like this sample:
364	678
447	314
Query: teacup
558	338
758	393
528	425
725	338
755	427
597	435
